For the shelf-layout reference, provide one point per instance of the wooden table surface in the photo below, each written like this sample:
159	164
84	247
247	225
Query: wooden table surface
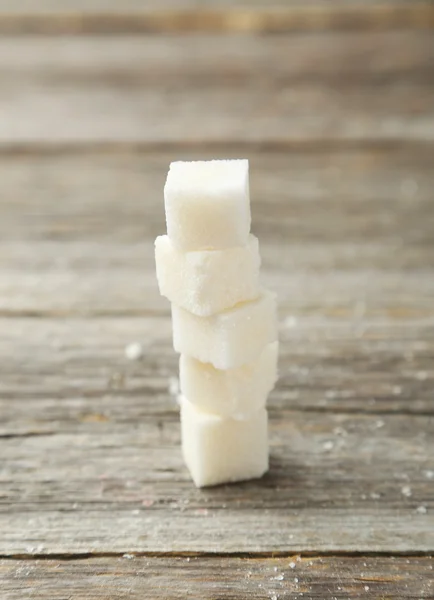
333	103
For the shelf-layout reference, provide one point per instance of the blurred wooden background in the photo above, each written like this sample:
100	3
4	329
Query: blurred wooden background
333	103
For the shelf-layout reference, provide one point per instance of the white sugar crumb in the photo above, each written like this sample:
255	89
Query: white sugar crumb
328	445
375	496
35	549
379	424
406	491
290	322
275	569
273	596
134	351
429	474
295	579
339	431
366	588
173	386
421	510
292	565
128	556
279	578
421	375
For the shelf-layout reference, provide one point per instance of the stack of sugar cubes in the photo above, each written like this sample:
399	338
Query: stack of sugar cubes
224	323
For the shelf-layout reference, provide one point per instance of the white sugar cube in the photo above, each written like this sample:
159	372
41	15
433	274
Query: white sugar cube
218	450
228	339
207	281
233	392
208	204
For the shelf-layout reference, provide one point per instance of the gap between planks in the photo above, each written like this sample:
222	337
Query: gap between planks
278	146
66	556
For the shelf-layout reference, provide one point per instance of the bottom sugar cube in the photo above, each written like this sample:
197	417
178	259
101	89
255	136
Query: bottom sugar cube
232	392
218	450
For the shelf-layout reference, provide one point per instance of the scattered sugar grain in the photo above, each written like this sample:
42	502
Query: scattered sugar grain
134	351
406	491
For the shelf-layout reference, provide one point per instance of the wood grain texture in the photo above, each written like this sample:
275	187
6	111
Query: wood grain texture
331	365
337	122
208	578
48	7
337	482
342	234
353	88
251	16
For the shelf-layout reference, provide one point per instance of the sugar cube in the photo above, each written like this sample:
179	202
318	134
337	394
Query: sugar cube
208	204
205	282
233	392
228	339
218	450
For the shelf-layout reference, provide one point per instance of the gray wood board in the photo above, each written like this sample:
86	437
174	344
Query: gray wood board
343	234
49	17
55	372
319	87
337	482
211	577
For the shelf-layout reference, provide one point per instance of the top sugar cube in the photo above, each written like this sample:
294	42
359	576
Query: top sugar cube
207	204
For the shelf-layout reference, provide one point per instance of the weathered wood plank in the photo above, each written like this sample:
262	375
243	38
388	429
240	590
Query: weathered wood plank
89	442
116	287
337	483
48	7
342	234
135	577
349	87
251	16
56	373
